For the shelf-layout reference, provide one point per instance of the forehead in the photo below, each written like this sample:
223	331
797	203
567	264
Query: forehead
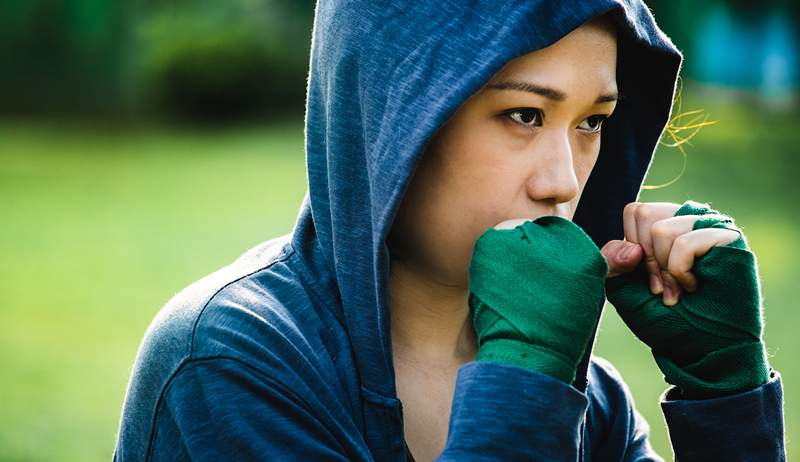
589	51
589	44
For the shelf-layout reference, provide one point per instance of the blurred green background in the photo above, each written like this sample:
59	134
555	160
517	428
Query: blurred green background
145	144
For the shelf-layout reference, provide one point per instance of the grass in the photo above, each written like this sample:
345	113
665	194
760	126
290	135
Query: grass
99	230
744	166
100	227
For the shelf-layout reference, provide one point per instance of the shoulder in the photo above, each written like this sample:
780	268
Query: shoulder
257	309
185	327
259	318
256	312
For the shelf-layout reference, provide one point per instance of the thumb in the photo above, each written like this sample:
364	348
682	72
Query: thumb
621	256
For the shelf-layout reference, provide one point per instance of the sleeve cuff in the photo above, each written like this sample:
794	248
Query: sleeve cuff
743	426
508	412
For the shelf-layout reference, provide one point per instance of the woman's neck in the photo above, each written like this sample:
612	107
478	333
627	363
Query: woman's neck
430	320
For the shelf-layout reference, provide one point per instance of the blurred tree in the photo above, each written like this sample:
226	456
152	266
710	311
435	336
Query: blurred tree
224	60
231	59
62	56
198	58
763	35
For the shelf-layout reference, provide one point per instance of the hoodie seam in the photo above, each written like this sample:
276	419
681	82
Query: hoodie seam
192	361
286	252
313	289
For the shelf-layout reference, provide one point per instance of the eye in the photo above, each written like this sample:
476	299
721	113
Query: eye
594	123
528	117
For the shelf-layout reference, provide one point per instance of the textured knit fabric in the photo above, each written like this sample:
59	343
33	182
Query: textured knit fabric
708	344
286	353
519	281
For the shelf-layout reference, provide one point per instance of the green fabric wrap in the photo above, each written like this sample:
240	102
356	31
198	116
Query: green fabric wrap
710	343
535	294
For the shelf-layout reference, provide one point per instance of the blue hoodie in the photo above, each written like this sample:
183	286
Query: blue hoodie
285	354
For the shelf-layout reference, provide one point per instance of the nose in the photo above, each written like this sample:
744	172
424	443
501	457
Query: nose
552	175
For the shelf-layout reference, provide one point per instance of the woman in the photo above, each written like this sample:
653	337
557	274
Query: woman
440	292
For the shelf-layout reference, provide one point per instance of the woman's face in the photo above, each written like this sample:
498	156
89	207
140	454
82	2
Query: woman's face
521	147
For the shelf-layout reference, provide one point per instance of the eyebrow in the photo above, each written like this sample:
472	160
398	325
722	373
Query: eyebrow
547	92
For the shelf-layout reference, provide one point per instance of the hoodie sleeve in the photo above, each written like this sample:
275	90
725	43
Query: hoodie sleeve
744	426
217	408
617	431
504	412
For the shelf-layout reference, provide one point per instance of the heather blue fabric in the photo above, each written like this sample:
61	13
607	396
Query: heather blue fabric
285	354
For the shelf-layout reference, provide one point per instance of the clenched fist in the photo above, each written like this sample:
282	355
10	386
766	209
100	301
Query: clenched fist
536	291
687	285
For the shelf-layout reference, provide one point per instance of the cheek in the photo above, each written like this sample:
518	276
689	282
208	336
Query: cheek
586	152
488	183
584	164
472	196
583	168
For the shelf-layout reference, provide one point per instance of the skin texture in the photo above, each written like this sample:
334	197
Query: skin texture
484	166
496	163
668	244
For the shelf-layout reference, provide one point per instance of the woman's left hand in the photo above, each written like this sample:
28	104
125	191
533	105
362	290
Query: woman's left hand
685	282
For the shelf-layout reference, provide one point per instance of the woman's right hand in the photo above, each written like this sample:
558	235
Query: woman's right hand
535	295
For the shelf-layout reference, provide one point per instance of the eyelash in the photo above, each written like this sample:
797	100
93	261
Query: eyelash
600	118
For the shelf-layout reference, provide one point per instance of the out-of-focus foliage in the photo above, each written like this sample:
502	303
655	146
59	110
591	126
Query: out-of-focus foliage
229	59
224	59
751	45
63	56
102	223
199	58
100	228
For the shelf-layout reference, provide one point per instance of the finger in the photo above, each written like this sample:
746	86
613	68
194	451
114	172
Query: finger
672	288
630	225
646	214
629	222
663	233
621	256
688	247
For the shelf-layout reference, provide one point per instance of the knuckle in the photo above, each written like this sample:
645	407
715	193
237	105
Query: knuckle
682	245
734	234
677	266
660	229
643	213
630	208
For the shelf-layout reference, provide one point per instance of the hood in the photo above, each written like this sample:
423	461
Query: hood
384	75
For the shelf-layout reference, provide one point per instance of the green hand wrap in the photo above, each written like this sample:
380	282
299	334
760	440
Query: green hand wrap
708	344
535	295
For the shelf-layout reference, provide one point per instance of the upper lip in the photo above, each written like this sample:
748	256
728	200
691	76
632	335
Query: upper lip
535	216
